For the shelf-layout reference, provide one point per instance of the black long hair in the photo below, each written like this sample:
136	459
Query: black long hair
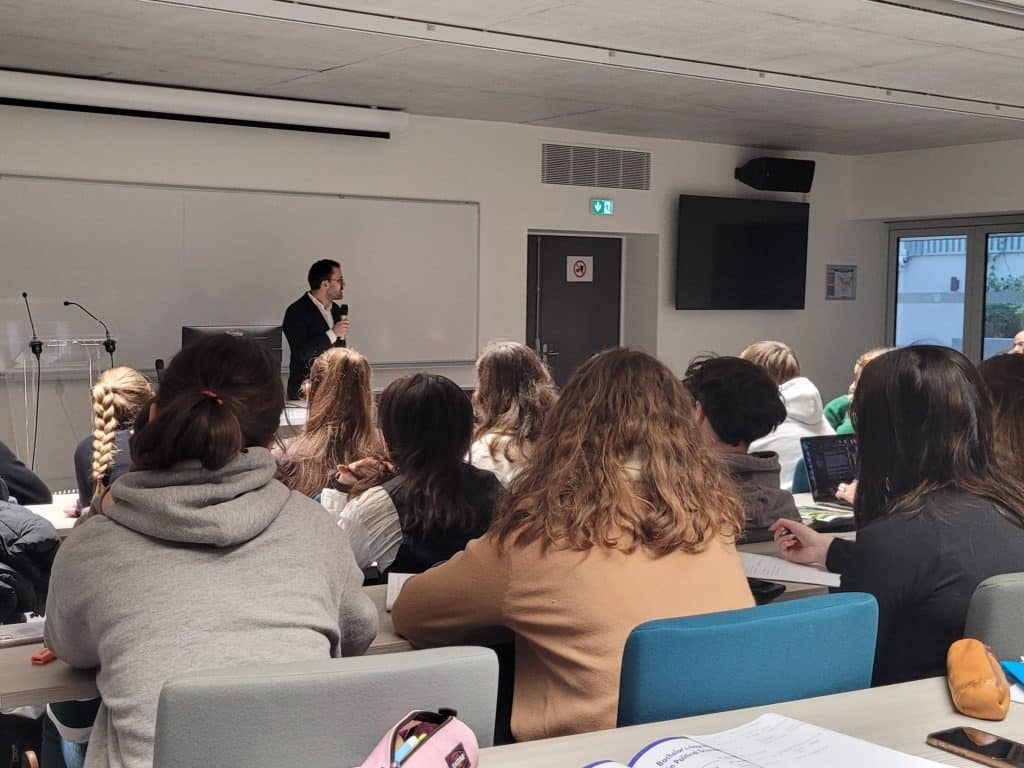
427	422
924	424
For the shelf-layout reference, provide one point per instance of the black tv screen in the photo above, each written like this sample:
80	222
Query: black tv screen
735	253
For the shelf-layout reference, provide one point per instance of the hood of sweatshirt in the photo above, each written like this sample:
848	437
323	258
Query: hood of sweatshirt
803	402
193	505
757	476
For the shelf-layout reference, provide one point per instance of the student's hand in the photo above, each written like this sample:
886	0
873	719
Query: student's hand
341	328
799	543
846	491
73	510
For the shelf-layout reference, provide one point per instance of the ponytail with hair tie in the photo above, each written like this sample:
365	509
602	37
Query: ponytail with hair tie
212	395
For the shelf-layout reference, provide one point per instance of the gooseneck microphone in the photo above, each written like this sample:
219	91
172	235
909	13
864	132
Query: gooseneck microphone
344	314
37	350
109	344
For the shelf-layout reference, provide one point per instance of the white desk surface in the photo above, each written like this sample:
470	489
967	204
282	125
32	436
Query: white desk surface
55	512
897	716
23	684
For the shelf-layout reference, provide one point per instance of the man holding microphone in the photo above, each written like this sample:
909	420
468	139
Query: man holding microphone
314	322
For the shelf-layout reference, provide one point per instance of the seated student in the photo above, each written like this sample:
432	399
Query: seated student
117	396
23	485
837	410
1004	377
936	512
622	515
737	403
804	413
437	502
200	558
514	392
339	427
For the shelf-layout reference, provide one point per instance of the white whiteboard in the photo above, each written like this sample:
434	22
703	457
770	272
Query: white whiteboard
151	259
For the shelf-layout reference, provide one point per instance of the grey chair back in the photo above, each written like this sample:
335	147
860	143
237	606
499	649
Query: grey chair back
996	615
318	714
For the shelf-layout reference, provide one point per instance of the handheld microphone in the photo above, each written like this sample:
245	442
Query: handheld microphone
344	315
109	344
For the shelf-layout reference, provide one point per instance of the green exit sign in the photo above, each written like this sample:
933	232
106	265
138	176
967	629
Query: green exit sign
602	207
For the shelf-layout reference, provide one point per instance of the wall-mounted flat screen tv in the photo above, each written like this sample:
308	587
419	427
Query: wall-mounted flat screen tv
735	253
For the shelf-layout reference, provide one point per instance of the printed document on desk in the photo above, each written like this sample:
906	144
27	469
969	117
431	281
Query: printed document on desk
770	741
395	583
777	569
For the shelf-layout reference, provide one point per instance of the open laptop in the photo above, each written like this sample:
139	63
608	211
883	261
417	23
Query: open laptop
830	460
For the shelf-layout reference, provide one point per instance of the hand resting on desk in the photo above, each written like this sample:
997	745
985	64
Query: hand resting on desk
800	543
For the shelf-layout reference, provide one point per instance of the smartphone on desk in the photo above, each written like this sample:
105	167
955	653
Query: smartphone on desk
980	745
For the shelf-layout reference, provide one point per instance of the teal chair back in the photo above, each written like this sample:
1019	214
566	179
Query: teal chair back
719	661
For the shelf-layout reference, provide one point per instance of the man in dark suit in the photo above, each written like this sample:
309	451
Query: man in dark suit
314	322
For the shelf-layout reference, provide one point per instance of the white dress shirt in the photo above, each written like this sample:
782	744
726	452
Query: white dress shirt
328	317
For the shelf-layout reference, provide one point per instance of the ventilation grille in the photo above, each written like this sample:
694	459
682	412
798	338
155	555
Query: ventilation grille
595	167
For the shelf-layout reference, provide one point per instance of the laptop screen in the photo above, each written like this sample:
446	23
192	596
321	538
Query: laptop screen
830	460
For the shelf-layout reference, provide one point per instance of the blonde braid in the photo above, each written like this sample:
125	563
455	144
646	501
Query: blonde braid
117	397
104	433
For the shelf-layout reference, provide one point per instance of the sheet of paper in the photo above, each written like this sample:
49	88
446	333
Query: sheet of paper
774	741
686	753
776	569
395	583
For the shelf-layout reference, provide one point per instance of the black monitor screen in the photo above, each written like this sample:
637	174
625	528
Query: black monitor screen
741	254
267	335
830	460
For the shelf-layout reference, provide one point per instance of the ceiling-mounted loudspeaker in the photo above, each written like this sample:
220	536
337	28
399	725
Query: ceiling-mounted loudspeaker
777	174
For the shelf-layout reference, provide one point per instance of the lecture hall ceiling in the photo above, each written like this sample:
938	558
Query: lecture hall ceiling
844	76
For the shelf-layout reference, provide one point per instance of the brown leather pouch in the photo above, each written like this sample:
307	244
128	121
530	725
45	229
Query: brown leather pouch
976	681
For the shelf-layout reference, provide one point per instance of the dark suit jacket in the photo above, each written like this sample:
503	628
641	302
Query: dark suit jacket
306	331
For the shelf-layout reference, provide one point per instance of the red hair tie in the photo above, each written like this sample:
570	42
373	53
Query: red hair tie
212	395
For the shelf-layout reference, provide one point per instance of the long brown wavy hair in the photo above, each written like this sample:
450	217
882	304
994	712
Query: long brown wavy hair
1004	377
514	392
340	424
924	424
621	407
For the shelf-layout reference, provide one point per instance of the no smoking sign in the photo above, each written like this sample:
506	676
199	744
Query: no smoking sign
579	269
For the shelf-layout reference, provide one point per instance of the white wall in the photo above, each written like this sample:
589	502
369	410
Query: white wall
931	183
496	165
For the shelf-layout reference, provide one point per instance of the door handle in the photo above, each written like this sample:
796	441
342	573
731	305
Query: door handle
546	352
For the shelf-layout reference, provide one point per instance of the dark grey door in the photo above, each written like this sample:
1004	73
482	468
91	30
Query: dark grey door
573	294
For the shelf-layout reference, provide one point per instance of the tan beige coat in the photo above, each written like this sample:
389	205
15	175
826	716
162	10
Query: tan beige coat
571	612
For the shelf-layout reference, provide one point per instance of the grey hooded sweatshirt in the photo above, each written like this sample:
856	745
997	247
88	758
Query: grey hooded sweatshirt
757	475
195	569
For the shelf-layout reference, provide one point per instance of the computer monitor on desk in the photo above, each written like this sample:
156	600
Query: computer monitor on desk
267	335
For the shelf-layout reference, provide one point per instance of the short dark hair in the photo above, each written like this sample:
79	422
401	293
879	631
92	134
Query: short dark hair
427	423
218	395
320	271
740	399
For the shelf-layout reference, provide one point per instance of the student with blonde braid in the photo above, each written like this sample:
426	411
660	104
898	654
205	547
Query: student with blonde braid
118	395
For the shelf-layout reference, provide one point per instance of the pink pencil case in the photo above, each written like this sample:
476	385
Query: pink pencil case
424	739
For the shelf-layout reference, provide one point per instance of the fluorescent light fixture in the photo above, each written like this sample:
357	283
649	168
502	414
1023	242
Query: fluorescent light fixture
84	94
1002	13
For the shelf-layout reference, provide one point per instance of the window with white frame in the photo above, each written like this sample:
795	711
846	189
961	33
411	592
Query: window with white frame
959	284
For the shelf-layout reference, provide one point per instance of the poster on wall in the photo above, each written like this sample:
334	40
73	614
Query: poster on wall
841	282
